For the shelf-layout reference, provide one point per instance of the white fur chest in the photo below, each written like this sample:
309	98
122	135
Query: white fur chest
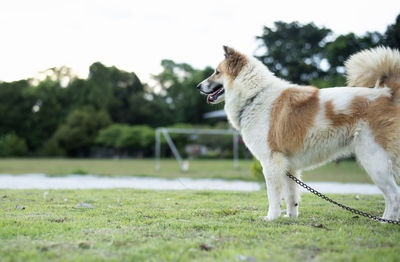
255	138
254	119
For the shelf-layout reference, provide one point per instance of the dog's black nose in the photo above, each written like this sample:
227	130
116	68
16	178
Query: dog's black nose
199	86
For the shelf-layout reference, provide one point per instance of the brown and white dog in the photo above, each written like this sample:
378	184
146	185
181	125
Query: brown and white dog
290	128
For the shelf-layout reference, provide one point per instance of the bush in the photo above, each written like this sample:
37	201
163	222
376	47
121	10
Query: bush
127	138
12	145
51	148
109	136
77	135
136	137
256	170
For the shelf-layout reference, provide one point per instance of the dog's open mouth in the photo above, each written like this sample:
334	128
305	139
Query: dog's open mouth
212	97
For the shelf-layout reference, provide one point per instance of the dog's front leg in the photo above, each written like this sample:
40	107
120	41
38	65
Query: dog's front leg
274	198
273	170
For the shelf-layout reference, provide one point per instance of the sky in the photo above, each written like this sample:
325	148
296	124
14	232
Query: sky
136	35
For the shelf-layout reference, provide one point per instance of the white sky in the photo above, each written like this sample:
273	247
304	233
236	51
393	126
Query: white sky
136	35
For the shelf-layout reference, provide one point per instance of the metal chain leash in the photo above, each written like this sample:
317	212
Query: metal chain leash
355	211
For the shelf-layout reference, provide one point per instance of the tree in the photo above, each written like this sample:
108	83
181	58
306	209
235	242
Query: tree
179	93
303	54
49	109
340	49
33	109
391	37
16	110
294	51
119	92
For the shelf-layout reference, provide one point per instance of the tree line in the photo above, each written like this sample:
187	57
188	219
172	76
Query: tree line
112	112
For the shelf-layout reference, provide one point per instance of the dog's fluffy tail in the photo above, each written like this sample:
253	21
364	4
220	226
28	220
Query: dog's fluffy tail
377	67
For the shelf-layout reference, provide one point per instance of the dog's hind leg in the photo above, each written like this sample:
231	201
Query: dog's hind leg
379	166
396	174
274	168
291	193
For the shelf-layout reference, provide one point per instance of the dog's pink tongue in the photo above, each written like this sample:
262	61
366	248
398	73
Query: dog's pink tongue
208	98
212	94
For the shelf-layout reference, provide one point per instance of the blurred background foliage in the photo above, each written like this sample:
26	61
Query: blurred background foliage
112	113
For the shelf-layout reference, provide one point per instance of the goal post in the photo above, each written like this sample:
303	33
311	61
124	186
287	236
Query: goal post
189	131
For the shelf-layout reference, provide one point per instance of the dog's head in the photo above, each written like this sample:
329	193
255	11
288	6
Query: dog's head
216	86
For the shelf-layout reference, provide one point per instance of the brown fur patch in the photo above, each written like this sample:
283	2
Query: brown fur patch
294	111
357	109
338	119
292	115
382	115
234	62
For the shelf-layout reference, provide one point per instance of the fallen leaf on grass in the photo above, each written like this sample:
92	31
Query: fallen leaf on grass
59	220
47	247
320	226
44	249
124	243
84	245
205	247
227	212
81	244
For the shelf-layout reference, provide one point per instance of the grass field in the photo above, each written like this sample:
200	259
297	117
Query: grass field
133	225
346	171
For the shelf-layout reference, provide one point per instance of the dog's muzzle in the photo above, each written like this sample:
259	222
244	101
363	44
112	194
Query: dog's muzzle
213	90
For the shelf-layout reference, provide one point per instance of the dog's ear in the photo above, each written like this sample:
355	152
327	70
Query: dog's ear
235	61
228	51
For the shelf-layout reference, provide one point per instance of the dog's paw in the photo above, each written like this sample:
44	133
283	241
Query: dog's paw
267	218
293	215
264	218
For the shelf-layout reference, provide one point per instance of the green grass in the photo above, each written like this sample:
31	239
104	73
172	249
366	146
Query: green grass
346	171
127	167
135	225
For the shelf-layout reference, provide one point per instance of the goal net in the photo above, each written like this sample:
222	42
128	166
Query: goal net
184	164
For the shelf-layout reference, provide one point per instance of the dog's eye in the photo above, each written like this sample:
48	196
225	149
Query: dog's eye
216	72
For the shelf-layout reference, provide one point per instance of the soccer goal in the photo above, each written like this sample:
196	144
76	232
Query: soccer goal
185	164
